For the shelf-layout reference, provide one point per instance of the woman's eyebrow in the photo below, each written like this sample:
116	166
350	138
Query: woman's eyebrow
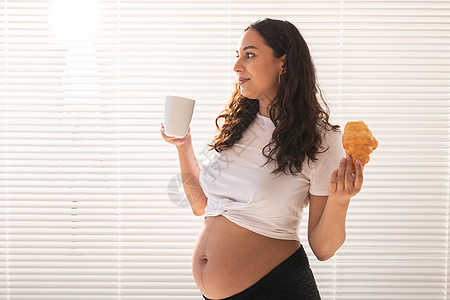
247	47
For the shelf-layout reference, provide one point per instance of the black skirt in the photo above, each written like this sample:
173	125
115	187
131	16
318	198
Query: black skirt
290	280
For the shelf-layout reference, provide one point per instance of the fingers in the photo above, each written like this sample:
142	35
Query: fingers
359	175
175	140
348	172
163	132
343	181
341	175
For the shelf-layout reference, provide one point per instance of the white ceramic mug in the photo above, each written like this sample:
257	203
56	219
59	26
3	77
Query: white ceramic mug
177	115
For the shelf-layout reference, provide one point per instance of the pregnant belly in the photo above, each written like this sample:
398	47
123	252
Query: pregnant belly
228	259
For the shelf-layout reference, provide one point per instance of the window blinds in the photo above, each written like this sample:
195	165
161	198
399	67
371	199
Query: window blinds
92	205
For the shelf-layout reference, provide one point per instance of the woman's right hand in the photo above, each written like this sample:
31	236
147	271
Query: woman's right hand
178	142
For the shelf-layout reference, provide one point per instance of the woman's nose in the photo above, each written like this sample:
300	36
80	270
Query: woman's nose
238	66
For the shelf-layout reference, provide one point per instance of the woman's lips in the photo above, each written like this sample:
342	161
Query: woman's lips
241	81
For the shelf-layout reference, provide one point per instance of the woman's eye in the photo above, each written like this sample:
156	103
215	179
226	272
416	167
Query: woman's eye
248	55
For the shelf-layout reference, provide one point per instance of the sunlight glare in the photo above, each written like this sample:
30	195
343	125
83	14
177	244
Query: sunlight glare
75	20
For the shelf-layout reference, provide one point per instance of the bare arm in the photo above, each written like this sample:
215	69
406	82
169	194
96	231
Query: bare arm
327	214
190	171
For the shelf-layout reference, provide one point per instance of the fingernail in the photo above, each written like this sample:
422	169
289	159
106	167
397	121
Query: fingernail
358	162
349	157
343	160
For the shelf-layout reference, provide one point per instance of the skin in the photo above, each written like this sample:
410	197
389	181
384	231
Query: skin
327	214
228	258
256	62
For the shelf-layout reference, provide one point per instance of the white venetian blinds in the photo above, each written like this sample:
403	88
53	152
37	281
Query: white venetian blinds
396	76
91	204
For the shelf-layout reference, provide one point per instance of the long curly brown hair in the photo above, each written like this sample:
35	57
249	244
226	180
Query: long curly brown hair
300	120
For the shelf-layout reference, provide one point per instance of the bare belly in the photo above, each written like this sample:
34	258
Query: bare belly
228	259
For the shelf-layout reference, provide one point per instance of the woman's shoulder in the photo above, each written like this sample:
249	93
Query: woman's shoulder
331	138
330	150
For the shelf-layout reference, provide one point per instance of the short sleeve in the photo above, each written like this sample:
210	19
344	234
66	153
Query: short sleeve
326	163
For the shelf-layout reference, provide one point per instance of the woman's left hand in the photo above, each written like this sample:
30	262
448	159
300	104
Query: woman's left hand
344	184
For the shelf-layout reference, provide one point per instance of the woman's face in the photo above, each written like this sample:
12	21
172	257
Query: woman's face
256	67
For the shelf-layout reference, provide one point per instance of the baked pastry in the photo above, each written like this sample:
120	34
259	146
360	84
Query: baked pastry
358	142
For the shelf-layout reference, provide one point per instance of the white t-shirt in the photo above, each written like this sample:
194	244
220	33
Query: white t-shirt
239	188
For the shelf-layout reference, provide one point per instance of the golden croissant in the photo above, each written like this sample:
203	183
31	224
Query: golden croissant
358	142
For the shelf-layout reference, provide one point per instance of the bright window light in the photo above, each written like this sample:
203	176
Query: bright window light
75	20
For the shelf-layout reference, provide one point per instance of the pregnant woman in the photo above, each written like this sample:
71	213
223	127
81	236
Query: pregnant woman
275	152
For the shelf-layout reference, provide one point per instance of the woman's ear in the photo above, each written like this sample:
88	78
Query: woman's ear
283	66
